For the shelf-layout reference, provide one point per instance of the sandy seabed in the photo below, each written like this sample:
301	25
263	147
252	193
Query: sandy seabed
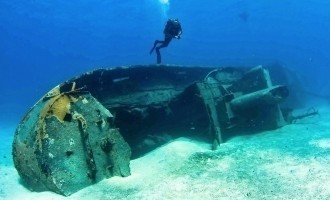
292	162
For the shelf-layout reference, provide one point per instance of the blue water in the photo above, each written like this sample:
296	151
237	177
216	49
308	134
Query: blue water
46	42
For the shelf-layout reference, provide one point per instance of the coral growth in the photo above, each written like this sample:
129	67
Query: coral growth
58	104
81	119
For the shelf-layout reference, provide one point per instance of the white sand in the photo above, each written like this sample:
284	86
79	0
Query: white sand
289	163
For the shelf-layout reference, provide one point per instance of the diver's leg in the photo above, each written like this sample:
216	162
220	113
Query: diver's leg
155	44
159	57
163	45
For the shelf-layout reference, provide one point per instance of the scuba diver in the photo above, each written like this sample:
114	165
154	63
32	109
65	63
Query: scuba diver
172	30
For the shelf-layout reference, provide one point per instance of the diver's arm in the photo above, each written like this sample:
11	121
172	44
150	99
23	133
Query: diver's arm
179	35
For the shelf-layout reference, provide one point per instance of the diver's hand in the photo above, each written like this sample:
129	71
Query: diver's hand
178	37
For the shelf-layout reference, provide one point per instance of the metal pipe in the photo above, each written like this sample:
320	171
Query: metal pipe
268	96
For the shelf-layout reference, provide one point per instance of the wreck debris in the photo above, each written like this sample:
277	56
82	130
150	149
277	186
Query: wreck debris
82	124
65	155
209	94
293	118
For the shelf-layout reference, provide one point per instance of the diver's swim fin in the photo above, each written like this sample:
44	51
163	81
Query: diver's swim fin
152	50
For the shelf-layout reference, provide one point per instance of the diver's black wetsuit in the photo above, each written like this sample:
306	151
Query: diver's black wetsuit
172	30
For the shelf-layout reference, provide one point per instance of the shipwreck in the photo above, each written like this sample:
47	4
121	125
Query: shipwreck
89	127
